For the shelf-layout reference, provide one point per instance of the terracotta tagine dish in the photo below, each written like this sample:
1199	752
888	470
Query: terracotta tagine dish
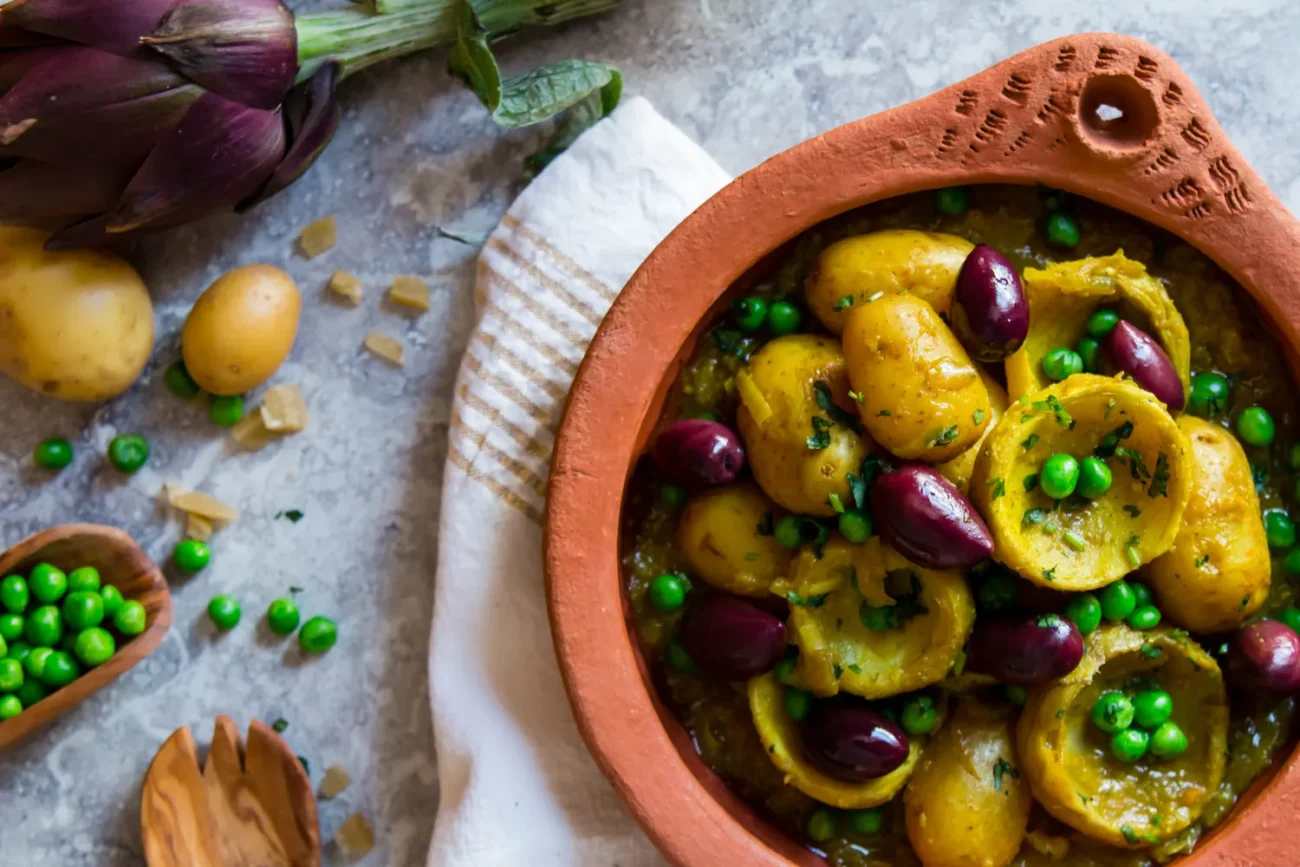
925	497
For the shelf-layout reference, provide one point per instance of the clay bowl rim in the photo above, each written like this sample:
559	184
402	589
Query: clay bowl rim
139	567
653	325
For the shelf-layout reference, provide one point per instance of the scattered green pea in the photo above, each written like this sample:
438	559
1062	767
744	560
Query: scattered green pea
877	618
68	644
11	675
19	650
1061	363
1017	695
224	612
1102	321
1117	600
31	692
1291	617
95	646
84	578
60	669
919	715
11	627
44	626
180	382
785	668
1152	708
1084	611
783	318
1144	618
112	599
1168	741
999	593
821	826
10	707
1279	528
952	201
318	635
707	415
672	495
1142	595
53	454
226	410
1255	426
1094	478
1293	456
83	609
798	703
282	616
1089	352
15	594
1113	712
1129	745
128	453
34	662
787	533
1059	476
130	618
866	822
667	593
4	647
1062	231
856	527
47	583
678	659
191	556
749	312
1209	396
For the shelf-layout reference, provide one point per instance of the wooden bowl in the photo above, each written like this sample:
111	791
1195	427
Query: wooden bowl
120	562
1031	119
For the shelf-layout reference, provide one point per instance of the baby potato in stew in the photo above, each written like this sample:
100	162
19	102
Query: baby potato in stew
988	559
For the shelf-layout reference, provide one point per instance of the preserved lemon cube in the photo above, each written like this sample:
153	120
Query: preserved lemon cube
386	348
346	286
318	237
355	836
335	781
409	292
197	528
283	409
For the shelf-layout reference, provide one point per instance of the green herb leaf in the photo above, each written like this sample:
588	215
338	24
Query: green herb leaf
295	590
811	602
732	342
751	555
834	502
1063	418
857	397
978	416
1152	652
1050	574
855	668
1030	441
1031	482
999	487
1060	713
1001	769
1160	478
294	515
875	297
1259	474
845	301
1074	540
1201	560
821	435
828	405
279	725
837	670
1137	466
305	766
1110	441
1133	511
1245	600
1130	836
945	437
1033	516
885	413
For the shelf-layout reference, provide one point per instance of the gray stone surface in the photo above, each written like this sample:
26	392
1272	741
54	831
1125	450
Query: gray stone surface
746	78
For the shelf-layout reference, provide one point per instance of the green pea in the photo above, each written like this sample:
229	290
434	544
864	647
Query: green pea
11	675
83	609
785	668
11	627
14	593
95	646
787	533
1142	595
60	669
1102	321
999	593
1279	528
1129	745
919	715
1062	231
130	618
667	593
750	313
10	707
672	495
798	703
1255	426
866	822
707	415
19	650
178	379
44	626
191	556
31	692
224	612
1061	363
1209	396
1089	352
952	201
1113	712
4	647
1059	476
678	659
1144	618
85	578
282	616
68	644
856	527
112	599
318	635
1094	478
47	583
1293	456
1117	600
53	454
821	826
1291	617
1084	611
226	410
1152	708
34	662
128	453
1168	741
783	318
877	618
1017	695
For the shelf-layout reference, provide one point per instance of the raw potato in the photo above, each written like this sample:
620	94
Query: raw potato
75	325
921	392
896	260
1217	573
959	469
779	393
718	534
966	804
241	329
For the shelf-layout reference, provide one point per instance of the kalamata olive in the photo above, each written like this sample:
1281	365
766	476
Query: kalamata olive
990	314
1265	655
731	638
696	451
1025	650
1132	350
852	744
928	520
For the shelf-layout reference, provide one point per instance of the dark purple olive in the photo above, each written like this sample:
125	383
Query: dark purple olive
1025	650
731	638
852	744
696	452
989	311
928	520
1132	350
1265	655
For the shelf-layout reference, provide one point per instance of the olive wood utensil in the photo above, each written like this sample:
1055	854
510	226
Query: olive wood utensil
122	563
246	806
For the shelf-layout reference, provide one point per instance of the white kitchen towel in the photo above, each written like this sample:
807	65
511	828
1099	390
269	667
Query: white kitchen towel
517	785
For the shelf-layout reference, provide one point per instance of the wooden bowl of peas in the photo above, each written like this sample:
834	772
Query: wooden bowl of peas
80	604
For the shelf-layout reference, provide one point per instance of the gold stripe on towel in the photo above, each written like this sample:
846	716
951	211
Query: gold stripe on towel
577	338
575	270
556	288
521	332
498	349
540	414
478	440
504	494
497	419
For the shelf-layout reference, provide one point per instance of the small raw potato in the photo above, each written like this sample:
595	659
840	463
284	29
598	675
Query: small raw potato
1066	759
966	804
718	534
780	737
922	395
802	436
1217	573
959	469
897	260
241	329
75	325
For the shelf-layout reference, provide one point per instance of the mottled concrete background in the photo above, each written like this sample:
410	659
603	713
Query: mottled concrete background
746	78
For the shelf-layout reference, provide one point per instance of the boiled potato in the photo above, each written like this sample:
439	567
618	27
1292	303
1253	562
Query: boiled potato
795	390
966	805
959	469
922	395
719	534
925	264
241	329
74	324
1217	573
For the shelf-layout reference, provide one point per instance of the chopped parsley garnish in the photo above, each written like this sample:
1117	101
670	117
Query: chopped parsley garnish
1160	479
999	487
877	296
1245	600
751	555
1109	442
1110	405
1050	574
821	435
978	416
732	342
1001	769
1030	441
1130	836
1063	418
811	602
885	412
765	527
1136	467
1031	482
294	515
838	415
1178	634
945	437
1026	417
834	502
1074	540
1047	621
1084	798
305	765
871	467
1152	652
845	301
1131	551
857	397
295	590
1133	511
1156	819
1060	713
855	668
1033	516
837	670
279	725
1201	560
1259	473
